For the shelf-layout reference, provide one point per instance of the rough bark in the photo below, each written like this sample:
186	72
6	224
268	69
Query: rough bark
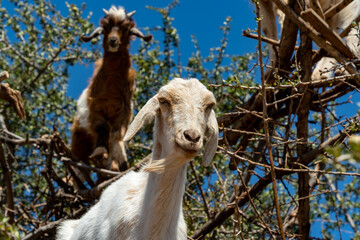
302	132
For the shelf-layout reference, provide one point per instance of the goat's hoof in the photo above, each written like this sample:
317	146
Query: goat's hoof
114	166
123	166
100	153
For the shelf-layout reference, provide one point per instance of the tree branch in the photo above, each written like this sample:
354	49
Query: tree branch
262	183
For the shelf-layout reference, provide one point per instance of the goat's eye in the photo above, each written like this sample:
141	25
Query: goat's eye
163	101
209	107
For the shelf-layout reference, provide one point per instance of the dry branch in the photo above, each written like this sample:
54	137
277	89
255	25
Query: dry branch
8	183
82	165
287	41
315	36
14	98
336	8
264	39
302	127
330	35
267	131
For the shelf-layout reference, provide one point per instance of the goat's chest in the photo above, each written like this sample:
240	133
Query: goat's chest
112	94
110	105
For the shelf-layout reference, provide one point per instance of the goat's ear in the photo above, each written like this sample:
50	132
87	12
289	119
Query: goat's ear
144	116
211	134
136	32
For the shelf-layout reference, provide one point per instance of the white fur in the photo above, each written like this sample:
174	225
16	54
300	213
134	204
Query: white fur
339	22
118	14
82	110
67	229
148	204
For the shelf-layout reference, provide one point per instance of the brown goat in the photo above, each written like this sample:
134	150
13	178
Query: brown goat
104	107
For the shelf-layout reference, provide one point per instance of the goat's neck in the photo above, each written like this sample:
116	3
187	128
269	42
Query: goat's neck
162	206
120	60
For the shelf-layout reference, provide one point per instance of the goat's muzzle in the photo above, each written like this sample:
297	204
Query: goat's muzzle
113	42
190	141
192	136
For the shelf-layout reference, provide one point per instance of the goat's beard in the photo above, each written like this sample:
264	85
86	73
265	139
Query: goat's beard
113	49
171	162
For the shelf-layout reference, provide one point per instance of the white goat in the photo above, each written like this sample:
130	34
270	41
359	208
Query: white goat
148	204
338	23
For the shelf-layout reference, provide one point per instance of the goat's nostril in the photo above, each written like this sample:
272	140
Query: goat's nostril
192	136
113	41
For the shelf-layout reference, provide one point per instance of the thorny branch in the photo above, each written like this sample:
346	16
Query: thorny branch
266	128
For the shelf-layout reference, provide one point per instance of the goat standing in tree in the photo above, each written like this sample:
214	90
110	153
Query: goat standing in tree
148	204
104	107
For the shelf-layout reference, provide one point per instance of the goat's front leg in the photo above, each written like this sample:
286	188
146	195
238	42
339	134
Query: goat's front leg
101	131
353	41
118	158
323	69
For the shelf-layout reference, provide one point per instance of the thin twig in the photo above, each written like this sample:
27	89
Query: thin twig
253	205
292	170
85	166
266	124
206	206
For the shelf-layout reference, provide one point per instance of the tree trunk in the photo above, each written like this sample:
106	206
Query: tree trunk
304	57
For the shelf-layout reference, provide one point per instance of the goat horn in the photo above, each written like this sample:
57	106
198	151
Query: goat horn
130	14
105	11
136	32
95	33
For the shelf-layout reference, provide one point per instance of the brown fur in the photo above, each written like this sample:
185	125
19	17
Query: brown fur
109	100
81	141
